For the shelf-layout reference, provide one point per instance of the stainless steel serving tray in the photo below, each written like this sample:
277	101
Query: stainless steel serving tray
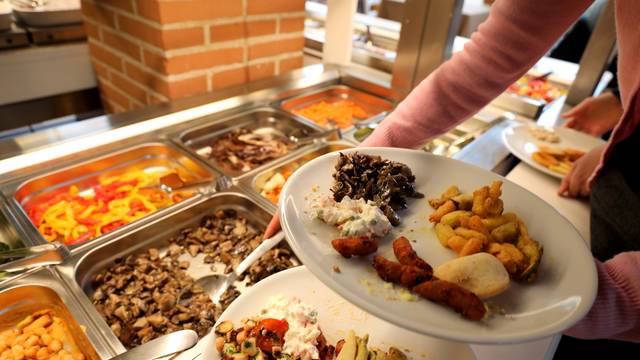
254	184
198	140
43	289
81	269
147	156
375	106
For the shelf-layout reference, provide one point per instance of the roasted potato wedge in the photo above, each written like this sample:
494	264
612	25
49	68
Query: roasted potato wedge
453	218
444	232
505	233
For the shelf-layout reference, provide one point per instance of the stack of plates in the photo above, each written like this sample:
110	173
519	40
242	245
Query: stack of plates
52	13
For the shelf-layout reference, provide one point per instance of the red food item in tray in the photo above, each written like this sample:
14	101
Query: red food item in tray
73	216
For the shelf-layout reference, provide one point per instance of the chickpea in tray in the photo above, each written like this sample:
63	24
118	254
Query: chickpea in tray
474	223
40	335
149	294
288	329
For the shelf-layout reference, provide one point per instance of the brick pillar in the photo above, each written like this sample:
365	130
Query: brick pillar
149	51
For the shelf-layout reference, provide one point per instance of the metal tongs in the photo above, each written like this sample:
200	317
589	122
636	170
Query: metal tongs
32	257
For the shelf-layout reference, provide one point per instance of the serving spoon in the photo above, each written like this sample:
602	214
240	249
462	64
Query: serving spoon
162	346
215	285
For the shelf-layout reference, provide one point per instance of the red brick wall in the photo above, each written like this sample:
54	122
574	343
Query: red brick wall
149	51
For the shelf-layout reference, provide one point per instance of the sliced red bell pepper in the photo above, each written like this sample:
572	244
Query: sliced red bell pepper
82	238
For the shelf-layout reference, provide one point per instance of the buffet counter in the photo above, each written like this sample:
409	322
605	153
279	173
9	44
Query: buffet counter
195	138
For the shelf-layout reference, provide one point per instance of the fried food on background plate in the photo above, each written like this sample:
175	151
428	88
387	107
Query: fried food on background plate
556	159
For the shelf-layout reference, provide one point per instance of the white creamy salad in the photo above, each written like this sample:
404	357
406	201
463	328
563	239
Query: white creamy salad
301	339
352	217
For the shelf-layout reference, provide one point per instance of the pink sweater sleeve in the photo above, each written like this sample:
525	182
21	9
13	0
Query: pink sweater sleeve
516	34
616	311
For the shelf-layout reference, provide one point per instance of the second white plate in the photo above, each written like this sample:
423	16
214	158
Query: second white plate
336	317
522	144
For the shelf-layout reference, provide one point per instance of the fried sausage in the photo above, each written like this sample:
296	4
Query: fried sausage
355	246
407	256
397	273
459	299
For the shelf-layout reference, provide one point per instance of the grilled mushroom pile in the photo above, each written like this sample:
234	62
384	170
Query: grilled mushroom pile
224	238
243	150
385	182
144	296
147	295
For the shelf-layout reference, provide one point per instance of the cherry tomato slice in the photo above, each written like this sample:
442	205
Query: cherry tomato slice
270	333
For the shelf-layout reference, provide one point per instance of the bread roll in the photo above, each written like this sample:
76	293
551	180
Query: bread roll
480	273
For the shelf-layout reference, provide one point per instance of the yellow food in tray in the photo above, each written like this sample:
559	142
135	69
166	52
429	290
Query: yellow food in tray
74	216
556	159
41	335
474	223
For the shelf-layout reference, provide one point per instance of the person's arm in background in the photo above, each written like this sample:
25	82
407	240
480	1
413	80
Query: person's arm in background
615	313
595	115
516	34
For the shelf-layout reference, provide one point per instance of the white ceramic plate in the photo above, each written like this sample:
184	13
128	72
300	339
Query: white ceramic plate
336	317
563	293
522	144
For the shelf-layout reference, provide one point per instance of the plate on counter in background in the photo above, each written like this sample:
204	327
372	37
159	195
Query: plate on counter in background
525	140
336	317
560	296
